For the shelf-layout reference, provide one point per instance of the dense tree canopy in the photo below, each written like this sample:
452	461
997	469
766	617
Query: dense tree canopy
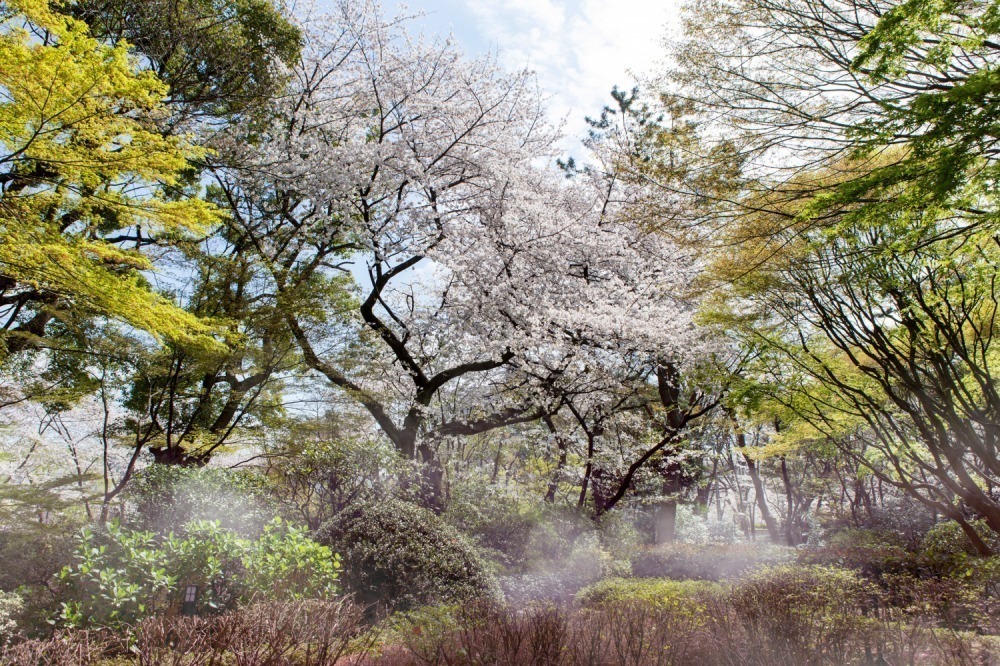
82	161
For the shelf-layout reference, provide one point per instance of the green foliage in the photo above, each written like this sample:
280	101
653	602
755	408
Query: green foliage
424	626
683	561
163	497
82	160
399	555
661	593
873	552
947	127
556	535
285	563
318	470
219	57
790	612
498	519
125	575
11	605
947	546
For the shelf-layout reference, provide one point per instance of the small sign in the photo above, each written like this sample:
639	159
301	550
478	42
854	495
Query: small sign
190	605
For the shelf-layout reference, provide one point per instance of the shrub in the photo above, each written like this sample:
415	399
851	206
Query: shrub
718	562
558	580
286	564
499	523
401	556
660	593
547	587
790	614
68	648
10	606
946	547
556	535
163	497
31	556
904	518
620	537
300	633
874	553
320	470
480	633
124	575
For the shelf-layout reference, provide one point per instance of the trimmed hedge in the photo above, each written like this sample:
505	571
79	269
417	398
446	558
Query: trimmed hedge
661	593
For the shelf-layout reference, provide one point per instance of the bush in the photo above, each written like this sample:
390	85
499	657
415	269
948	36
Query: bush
885	557
718	562
499	523
620	537
478	633
904	518
32	555
789	614
10	606
558	580
875	553
298	633
697	528
400	556
794	615
65	648
947	547
124	575
556	535
163	497
660	593
320	470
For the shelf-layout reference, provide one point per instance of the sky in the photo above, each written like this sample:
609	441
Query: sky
580	49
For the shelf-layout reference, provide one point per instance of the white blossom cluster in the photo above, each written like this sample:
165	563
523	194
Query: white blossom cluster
437	170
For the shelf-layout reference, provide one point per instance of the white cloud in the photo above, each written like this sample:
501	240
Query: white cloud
579	48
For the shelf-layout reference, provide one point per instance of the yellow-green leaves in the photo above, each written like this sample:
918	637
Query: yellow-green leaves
81	160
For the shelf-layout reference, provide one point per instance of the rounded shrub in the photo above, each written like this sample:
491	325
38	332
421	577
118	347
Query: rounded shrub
948	546
399	556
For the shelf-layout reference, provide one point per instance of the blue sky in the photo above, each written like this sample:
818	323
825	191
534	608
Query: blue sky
579	48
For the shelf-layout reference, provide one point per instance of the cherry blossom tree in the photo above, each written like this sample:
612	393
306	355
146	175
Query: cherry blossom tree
483	267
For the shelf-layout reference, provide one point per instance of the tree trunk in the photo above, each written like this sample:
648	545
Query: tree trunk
665	522
665	518
432	493
550	494
758	488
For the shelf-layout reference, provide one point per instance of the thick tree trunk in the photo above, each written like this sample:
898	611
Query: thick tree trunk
432	491
665	517
665	522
